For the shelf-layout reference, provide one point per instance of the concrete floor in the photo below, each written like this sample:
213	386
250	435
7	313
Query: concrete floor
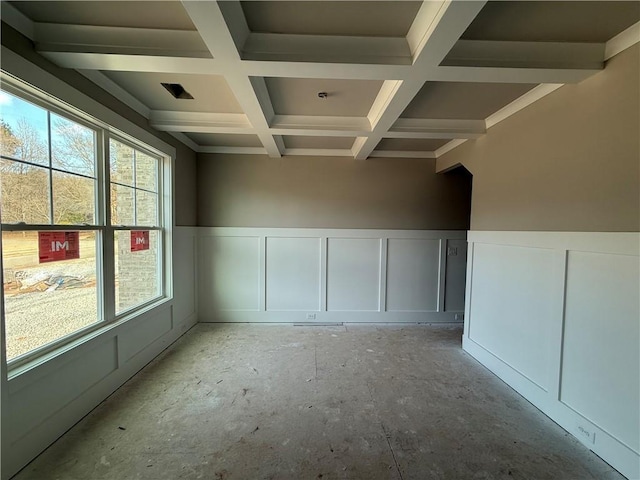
285	402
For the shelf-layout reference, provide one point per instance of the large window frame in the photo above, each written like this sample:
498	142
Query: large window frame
105	231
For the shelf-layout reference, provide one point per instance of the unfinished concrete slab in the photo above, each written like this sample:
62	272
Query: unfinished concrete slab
237	401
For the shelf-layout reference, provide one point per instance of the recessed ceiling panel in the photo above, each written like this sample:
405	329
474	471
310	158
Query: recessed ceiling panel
210	92
225	140
411	144
140	14
345	98
301	141
551	21
366	19
463	100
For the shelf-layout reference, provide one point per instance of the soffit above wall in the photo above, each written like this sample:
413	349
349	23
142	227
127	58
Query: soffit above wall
402	78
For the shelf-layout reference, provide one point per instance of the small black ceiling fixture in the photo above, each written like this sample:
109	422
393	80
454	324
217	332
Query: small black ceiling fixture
177	91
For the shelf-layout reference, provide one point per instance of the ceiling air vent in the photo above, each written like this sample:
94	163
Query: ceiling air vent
177	91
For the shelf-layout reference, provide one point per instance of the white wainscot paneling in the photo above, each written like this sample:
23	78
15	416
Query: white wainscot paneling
561	310
353	274
412	274
512	306
27	401
229	274
293	274
601	360
455	275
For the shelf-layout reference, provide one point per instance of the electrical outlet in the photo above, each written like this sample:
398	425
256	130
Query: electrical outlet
452	251
311	316
587	434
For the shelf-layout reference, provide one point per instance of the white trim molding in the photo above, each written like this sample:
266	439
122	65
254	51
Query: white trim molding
297	275
555	315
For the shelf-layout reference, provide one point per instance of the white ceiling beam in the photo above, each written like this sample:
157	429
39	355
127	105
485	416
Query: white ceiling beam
510	74
110	40
171	121
186	140
432	128
326	49
236	22
18	20
434	36
210	23
233	150
524	101
252	95
385	96
446	148
401	154
117	91
331	125
134	63
317	152
323	70
553	55
622	41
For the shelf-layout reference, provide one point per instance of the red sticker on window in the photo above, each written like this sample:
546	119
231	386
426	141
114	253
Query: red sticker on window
139	240
56	246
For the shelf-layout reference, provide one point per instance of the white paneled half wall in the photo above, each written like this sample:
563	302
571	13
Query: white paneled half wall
330	275
556	315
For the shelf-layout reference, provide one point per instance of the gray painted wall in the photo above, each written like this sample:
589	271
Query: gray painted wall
330	192
569	162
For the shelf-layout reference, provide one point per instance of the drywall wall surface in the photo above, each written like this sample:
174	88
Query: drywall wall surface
185	163
330	192
569	162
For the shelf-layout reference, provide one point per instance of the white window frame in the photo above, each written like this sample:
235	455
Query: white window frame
105	232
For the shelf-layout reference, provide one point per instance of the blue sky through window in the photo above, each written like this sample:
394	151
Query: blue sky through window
72	144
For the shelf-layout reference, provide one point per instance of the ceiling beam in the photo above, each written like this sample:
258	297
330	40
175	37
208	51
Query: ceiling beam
551	55
133	63
510	74
622	41
326	49
110	40
401	154
171	121
318	152
330	125
251	94
432	128
433	35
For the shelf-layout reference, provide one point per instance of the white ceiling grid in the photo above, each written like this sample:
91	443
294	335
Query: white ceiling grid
224	45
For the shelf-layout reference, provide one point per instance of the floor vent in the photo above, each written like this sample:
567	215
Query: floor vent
319	324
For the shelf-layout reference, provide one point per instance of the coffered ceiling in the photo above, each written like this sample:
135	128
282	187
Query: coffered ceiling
358	78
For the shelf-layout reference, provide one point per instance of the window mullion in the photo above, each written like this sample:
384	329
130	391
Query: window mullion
49	149
108	252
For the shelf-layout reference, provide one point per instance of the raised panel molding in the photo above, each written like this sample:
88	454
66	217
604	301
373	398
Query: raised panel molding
326	275
563	307
413	270
293	274
353	274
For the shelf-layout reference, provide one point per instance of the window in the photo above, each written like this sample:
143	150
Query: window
82	223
